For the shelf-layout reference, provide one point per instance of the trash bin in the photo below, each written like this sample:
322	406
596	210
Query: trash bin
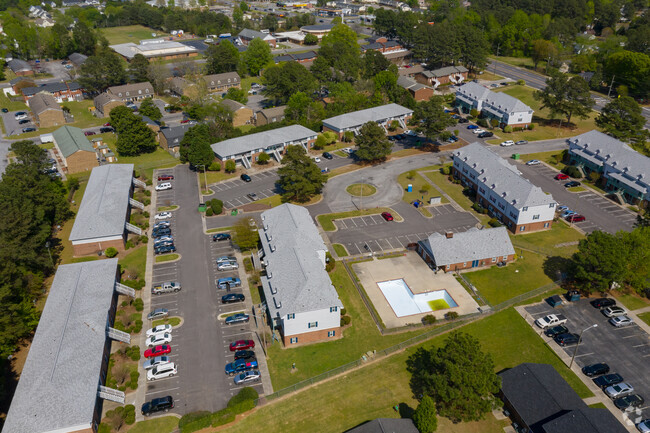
202	207
233	212
515	156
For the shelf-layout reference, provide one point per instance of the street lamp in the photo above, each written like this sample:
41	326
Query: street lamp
205	177
579	340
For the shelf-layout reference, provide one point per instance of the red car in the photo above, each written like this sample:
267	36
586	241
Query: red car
561	176
241	345
185	121
387	216
163	349
87	133
107	124
165	177
575	218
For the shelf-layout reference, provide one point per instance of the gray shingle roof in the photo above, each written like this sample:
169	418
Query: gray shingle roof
501	177
104	98
410	83
358	118
252	34
273	112
17	65
70	140
444	72
386	425
51	88
232	105
474	244
500	100
78	58
294	254
473	91
43	102
317	27
218	80
58	385
105	203
262	140
132	90
175	134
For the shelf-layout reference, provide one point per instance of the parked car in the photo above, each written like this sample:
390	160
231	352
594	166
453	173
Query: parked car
507	143
534	162
160	329
168	287
5	110
153	362
158	339
244	354
608	380
575	218
163	186
245	177
327	155
252	196
87	133
317	159
241	345
107	124
161	240
566	339
614	311
237	318
164	224
224	259
24	121
158	233
551	320
595	369
561	176
632	400
105	130
556	330
644	426
572	184
20	115
472	127
231	298
485	134
561	208
567	213
228	266
157	351
462	120
520	142
161	404
621	321
247	377
162	371
221	237
29	129
163	215
165	247
387	216
603	302
228	282
478	131
240	365
619	390
158	313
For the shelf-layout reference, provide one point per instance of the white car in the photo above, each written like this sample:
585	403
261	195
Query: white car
161	371
20	116
614	311
534	162
163	215
158	339
346	150
163	186
507	143
160	329
618	390
621	321
478	131
154	362
317	159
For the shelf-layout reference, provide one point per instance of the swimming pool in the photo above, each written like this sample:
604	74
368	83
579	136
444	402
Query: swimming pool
405	303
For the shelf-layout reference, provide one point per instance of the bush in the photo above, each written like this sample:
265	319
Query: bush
451	315
572	171
494	123
507	129
146	214
594	177
331	263
129	244
330	137
110	252
216	205
143	239
425	188
197	425
531	126
345	320
222	417
230	166
133	352
320	142
393	125
263	158
424	416
343	311
129	412
138	326
248	264
521	83
209	212
429	319
104	428
456	132
411	174
446	170
214	166
72	183
494	223
192	417
243	401
348	136
482	122
138	304
473	112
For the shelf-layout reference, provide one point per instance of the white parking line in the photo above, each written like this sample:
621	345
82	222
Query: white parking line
237	333
162	390
584	354
163	303
641	345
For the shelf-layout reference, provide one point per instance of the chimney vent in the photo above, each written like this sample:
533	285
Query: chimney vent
449	235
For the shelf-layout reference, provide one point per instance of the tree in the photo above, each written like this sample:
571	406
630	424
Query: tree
257	56
372	143
302	109
310	39
300	177
195	146
622	119
244	234
459	377
134	137
231	166
631	69
264	158
424	416
286	79
432	118
373	63
542	50
84	38
150	109
139	69
566	95
239	95
101	71
340	48
223	57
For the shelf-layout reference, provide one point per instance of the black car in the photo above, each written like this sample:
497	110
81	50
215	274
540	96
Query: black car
162	404
595	369
245	177
22	122
161	232
232	297
5	110
572	184
603	302
165	249
30	129
566	339
106	129
462	120
632	400
485	134
221	237
244	354
556	330
391	137
327	155
608	380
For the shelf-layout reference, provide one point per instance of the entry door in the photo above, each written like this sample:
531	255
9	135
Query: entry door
475	263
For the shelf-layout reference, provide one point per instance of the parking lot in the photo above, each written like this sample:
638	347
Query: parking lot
12	127
626	350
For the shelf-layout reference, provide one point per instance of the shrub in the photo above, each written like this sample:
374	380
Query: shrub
482	122
521	83
230	166
425	188
244	401
146	214
330	137
110	252
531	126
248	264
494	223
345	320
104	428
216	205
446	170
192	417
197	425
320	142
72	183
138	304
424	416
222	417
572	171
456	132
411	174
445	135
451	315
129	411
138	326
473	112
133	352
209	212
348	136
343	311
264	158
594	176
146	201
494	123
331	263
214	166
147	193
129	244
429	319
393	125
507	129
143	239
477	207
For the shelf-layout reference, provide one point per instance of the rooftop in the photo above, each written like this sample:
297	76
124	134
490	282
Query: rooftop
221	79
232	105
317	28
358	118
131	90
410	83
105	203
273	112
17	65
386	425
52	88
153	48
70	140
446	71
58	386
252	34
501	100
474	244
174	134
262	140
41	102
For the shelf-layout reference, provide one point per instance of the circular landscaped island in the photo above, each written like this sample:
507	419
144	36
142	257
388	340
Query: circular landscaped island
361	189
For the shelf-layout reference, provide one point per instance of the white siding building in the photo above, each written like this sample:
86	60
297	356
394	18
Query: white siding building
506	109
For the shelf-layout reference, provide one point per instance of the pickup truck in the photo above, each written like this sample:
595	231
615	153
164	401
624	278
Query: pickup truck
551	320
168	287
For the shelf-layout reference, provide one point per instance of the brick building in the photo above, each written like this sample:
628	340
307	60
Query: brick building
420	92
20	67
508	110
105	102
247	36
241	114
222	82
72	148
62	91
270	115
132	92
383	115
46	110
170	137
440	76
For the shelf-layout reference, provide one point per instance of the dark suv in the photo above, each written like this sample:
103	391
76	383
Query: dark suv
162	404
566	339
603	302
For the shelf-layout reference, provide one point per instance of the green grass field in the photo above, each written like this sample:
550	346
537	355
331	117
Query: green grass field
82	119
340	250
545	241
419	189
361	190
7	103
174	321
166	424
456	193
166	258
135	259
645	317
160	158
135	33
632	302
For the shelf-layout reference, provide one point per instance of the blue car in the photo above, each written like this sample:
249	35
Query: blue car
472	127
228	282
567	213
240	365
237	318
562	208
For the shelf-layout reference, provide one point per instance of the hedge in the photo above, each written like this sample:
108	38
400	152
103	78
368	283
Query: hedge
222	417
193	417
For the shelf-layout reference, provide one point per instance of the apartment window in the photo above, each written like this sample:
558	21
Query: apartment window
482	190
293	340
535	217
505	258
447	267
312	325
333	309
524	209
464	264
551	205
501	206
512	215
522	228
291	316
493	199
545	225
331	333
471	176
494	259
464	170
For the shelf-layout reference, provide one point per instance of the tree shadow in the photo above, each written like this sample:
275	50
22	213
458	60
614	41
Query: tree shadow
557	267
406	411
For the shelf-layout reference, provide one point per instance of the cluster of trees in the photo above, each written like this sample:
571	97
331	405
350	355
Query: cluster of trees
134	137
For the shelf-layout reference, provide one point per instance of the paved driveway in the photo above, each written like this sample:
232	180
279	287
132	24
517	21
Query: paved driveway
625	350
11	124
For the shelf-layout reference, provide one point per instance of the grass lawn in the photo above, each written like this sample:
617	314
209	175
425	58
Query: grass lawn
327	220
7	103
489	76
545	241
547	157
361	189
273	201
456	193
217	176
248	81
135	259
577	189
166	424
371	392
632	302
598	406
497	285
340	250
166	208
135	33
335	146
645	317
420	186
159	158
174	321
518	61
166	258
82	119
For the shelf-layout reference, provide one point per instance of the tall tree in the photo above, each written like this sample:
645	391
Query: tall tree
139	69
134	137
223	57
257	56
150	109
600	261
631	69
195	146
424	416
243	236
239	95
372	143
566	95
84	38
101	71
303	110
286	79
373	63
459	377
542	50
622	119
340	48
432	118
300	177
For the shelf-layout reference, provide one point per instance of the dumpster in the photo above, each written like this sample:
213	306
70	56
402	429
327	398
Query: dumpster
554	301
515	156
572	296
202	207
233	212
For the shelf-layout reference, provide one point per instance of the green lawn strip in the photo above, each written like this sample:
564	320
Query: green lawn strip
341	154
135	259
166	257
489	76
418	182
598	406
327	220
167	208
545	241
547	157
246	82
174	321
577	189
336	146
455	191
217	176
273	201
255	289
632	302
6	102
497	285
314	359
517	61
340	250
220	230
370	392
83	259
645	317
147	162
134	33
166	424
361	190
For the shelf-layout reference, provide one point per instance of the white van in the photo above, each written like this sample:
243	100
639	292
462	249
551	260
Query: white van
163	186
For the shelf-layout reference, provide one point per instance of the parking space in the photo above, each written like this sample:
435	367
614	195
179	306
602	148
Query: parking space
13	125
626	350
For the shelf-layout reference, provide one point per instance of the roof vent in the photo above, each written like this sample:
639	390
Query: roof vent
277	303
266	227
274	290
268	274
268	236
449	235
272	247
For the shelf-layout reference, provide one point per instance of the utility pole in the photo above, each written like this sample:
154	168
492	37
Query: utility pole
495	62
548	60
610	86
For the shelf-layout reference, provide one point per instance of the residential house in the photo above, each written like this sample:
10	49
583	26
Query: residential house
410	71
246	149
270	115
132	92
20	67
158	49
19	83
152	124
307	57
242	115
62	384
420	92
61	91
47	111
624	171
474	248
508	110
77	59
302	302
247	35
105	102
539	400
441	76
386	425
383	115
37	12
73	150
382	44
318	30
183	87
44	22
222	82
105	209
500	188
170	137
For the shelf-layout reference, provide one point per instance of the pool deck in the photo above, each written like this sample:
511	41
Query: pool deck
419	277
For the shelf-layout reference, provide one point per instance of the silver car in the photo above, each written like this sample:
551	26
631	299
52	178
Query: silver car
618	390
614	311
158	360
621	321
158	313
226	259
227	266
